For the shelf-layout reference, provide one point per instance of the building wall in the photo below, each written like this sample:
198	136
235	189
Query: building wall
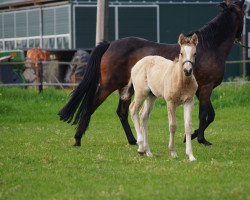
40	27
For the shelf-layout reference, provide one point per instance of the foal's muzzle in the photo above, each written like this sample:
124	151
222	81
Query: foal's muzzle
188	71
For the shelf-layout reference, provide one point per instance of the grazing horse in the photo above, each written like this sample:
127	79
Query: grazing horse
155	76
110	65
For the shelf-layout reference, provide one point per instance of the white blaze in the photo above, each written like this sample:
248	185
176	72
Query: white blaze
188	51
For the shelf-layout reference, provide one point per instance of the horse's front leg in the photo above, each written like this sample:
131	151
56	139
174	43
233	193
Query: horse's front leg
172	128
188	108
206	115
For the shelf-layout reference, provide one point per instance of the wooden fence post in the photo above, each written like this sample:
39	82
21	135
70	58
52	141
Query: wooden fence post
40	75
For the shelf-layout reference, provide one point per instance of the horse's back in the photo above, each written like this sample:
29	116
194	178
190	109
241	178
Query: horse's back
122	55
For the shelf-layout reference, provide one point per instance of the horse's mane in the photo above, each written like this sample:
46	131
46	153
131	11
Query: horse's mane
216	31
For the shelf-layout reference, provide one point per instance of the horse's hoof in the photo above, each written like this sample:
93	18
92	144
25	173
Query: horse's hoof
77	144
205	142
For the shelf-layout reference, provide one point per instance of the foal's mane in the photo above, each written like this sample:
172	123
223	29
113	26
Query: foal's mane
216	31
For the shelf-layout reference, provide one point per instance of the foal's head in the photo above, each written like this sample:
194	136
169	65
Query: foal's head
187	52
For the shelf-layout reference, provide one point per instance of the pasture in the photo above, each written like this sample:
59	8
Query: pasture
37	160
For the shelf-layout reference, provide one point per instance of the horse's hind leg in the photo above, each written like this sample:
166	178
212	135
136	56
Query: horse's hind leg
122	112
144	116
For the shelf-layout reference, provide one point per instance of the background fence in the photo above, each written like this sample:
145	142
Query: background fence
39	68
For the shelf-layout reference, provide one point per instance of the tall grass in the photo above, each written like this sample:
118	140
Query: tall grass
37	160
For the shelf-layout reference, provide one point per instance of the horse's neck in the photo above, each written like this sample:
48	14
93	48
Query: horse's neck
226	47
222	38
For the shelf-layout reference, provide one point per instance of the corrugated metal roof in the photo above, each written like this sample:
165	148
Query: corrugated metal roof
10	4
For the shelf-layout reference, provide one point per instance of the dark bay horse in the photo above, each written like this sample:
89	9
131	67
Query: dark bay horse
109	69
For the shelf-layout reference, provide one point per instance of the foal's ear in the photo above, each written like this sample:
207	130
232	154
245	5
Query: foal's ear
194	39
181	39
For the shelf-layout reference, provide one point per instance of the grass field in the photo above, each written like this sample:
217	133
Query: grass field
37	160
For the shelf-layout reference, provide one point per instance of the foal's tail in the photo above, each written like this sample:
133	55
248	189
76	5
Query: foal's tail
82	98
127	91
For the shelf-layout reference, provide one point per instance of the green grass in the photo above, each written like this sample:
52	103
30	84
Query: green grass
37	160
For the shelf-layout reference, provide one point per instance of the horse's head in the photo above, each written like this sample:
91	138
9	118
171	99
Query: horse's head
239	9
187	52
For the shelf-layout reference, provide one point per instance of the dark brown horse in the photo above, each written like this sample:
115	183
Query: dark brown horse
110	66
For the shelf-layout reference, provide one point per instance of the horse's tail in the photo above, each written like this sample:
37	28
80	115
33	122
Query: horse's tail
82	98
127	91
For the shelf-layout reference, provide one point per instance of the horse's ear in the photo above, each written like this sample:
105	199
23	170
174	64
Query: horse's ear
240	3
181	39
223	5
194	39
228	2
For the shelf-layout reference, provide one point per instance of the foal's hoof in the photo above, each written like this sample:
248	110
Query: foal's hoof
142	153
149	154
192	158
205	142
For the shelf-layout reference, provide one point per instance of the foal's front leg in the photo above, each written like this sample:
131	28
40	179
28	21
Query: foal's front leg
188	108
172	128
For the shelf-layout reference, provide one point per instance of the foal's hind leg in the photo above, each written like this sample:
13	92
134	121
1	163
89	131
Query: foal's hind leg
134	111
144	116
122	112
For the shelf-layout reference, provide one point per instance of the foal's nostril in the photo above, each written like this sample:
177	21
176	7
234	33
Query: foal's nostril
188	72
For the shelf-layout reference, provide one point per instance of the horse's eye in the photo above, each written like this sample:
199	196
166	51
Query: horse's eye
181	54
195	54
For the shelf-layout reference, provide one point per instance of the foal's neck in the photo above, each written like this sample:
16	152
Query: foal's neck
181	78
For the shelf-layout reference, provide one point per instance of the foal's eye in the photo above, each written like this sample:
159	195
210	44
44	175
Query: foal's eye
195	54
181	54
